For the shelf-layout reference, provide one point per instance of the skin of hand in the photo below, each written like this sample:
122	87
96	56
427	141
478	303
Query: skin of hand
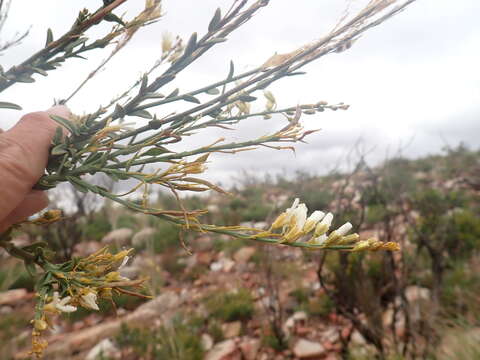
24	153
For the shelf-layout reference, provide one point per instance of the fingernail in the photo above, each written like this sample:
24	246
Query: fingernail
60	110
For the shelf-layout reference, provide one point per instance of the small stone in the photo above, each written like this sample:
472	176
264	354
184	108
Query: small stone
143	236
243	255
303	330
416	293
204	258
4	310
105	348
86	248
11	297
207	342
331	335
225	350
305	349
231	329
250	348
119	236
203	243
358	339
216	266
228	265
300	316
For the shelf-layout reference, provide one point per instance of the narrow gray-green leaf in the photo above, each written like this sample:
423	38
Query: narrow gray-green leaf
173	93
67	124
49	37
212	91
231	71
190	98
217	17
119	111
141	113
191	45
144	84
74	44
25	79
214	41
296	73
78	186
155	151
57	138
38	70
9	105
247	98
113	18
153	96
60	149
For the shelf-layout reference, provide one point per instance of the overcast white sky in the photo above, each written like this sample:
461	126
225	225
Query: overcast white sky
414	79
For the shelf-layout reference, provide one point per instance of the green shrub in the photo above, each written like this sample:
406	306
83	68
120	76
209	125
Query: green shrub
320	306
215	331
11	325
127	221
179	341
229	246
231	306
24	280
465	231
460	291
375	214
301	296
316	199
166	238
256	212
237	204
173	265
195	272
273	342
97	228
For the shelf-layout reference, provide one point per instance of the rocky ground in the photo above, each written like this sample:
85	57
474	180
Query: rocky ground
206	271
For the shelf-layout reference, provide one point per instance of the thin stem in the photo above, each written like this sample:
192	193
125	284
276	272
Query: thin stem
55	46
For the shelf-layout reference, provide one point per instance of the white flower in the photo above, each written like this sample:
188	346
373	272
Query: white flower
312	220
124	262
89	301
300	216
324	225
291	210
60	304
319	240
284	218
294	205
344	229
327	220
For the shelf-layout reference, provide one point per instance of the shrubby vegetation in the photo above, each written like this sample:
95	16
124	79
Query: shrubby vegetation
401	305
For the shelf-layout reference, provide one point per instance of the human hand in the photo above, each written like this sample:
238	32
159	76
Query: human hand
24	153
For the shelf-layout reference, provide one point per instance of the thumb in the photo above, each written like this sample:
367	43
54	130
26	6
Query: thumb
24	153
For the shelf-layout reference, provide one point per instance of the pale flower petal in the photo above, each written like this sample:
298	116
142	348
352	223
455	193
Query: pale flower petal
344	229
300	215
320	240
89	301
327	220
124	262
312	220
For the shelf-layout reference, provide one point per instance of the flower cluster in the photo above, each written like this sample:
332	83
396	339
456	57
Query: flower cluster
65	287
294	225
